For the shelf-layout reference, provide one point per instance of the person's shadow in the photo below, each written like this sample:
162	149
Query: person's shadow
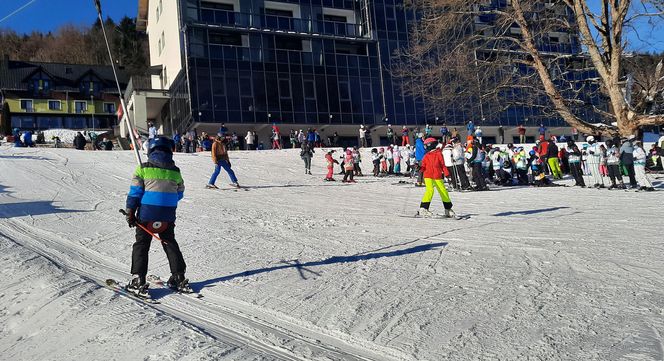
10	210
304	267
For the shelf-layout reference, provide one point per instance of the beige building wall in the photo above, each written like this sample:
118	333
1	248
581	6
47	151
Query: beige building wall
164	39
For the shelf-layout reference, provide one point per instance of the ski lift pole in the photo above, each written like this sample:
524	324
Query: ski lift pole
125	113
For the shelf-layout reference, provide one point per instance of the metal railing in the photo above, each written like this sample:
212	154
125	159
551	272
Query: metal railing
141	82
280	23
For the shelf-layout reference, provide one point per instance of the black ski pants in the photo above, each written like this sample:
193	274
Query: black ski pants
141	249
460	173
348	174
614	174
631	175
577	173
478	176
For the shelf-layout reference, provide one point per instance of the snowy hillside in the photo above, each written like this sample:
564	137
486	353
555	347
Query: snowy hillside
301	269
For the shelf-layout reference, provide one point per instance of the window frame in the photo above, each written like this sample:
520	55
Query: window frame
55	100
114	107
84	110
27	110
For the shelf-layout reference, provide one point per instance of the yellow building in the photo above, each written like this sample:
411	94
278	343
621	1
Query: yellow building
50	95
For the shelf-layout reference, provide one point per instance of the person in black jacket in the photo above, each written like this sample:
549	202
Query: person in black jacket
552	158
80	141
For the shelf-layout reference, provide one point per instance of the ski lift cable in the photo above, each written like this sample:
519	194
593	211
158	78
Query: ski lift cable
17	10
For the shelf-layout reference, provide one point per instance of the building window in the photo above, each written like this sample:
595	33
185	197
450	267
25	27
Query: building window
26	104
54	105
223	38
284	88
279	12
287	43
109	108
217	6
344	90
81	106
162	43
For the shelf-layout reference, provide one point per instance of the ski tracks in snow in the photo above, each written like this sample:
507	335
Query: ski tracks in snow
224	319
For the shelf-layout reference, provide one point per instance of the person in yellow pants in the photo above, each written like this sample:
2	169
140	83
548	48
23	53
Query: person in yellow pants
433	167
554	166
552	161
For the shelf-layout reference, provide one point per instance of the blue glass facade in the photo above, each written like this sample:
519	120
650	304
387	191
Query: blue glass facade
308	62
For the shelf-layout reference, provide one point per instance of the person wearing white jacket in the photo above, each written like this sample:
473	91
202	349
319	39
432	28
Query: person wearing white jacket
594	158
640	167
459	160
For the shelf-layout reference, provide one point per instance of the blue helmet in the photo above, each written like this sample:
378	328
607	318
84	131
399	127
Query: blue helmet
163	143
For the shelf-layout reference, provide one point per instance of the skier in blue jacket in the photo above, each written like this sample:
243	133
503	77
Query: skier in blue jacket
420	152
156	188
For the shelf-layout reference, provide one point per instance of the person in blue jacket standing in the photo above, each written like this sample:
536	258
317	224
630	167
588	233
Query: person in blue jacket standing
27	139
420	152
156	188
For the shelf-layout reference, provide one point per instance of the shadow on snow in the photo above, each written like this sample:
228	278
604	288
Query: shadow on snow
10	210
303	267
528	212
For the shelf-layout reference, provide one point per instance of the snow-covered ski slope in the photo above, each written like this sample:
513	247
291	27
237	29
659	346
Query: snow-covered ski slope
301	269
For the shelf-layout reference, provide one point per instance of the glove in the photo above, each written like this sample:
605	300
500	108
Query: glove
131	218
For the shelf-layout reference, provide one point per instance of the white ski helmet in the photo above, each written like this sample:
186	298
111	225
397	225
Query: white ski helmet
590	139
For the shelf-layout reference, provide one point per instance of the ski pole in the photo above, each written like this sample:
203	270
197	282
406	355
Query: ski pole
144	228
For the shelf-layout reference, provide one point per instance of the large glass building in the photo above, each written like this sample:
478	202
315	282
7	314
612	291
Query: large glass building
305	63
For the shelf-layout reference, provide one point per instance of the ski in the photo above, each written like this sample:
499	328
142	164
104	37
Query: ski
157	281
120	289
436	216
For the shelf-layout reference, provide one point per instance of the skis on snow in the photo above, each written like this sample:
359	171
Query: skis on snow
437	216
158	282
120	288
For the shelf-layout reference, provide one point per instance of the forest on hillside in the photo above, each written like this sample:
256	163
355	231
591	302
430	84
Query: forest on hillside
81	45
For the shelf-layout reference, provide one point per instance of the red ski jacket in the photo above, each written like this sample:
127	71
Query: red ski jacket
433	165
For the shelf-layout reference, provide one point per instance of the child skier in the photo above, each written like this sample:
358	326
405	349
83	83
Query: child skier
330	165
539	178
349	167
357	158
155	190
396	156
375	159
383	161
433	167
389	155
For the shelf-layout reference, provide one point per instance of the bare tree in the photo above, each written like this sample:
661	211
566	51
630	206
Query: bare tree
557	56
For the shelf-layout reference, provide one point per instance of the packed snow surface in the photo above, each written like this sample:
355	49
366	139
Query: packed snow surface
300	269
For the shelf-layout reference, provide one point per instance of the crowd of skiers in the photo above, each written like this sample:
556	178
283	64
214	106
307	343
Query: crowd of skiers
473	165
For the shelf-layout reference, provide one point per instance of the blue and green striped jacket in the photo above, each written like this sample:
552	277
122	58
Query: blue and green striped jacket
155	190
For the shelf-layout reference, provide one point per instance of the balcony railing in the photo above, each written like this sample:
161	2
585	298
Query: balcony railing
137	83
280	23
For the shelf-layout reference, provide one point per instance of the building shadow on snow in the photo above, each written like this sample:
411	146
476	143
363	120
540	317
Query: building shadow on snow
528	212
304	267
10	210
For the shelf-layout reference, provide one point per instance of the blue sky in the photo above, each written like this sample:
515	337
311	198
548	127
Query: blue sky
48	15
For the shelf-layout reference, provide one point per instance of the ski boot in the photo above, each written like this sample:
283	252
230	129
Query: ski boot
179	283
423	212
450	213
138	287
211	186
